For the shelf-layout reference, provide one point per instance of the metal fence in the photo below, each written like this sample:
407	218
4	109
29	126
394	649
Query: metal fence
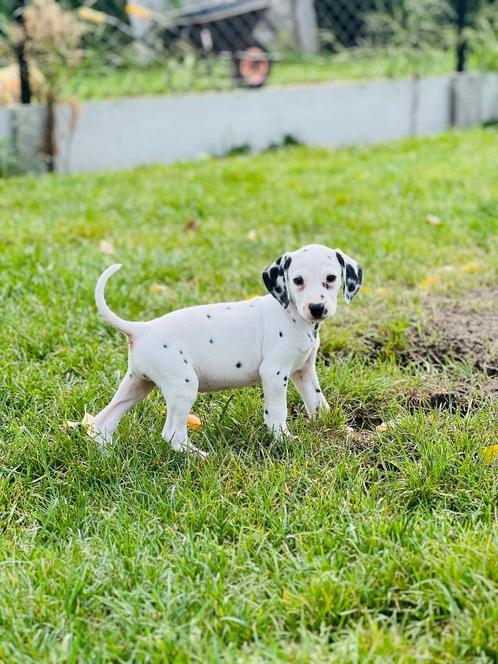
162	46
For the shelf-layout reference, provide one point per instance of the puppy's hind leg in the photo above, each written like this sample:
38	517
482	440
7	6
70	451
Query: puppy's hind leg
180	398
132	390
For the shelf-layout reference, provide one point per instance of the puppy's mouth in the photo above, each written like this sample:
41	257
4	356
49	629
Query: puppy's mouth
317	317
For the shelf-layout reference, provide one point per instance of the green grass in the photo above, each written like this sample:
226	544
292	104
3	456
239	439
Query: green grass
101	82
318	549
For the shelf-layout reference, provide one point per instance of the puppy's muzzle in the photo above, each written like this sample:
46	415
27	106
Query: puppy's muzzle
317	310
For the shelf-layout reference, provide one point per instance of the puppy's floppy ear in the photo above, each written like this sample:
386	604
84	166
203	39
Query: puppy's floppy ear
275	278
352	275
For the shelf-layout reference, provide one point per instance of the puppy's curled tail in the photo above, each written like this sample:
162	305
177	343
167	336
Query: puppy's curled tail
126	326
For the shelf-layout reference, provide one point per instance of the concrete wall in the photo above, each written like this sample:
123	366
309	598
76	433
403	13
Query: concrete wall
124	133
5	119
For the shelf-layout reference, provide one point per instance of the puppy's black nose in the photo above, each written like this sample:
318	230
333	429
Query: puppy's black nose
316	310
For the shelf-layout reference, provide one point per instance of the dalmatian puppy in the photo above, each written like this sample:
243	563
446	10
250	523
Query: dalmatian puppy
268	340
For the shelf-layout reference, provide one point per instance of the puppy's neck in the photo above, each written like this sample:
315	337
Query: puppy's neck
309	327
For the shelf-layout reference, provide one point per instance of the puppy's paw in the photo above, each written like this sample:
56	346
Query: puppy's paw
102	439
188	448
321	408
281	435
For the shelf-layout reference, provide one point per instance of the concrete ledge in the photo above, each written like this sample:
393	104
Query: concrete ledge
124	133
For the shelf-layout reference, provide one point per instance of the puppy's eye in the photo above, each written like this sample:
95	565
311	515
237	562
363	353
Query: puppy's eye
331	278
299	281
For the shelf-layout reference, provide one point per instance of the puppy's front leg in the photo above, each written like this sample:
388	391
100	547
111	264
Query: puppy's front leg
275	381
306	382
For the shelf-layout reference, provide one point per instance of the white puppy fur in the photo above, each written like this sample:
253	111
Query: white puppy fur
267	340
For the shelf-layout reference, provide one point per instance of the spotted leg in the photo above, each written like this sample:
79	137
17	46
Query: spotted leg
306	382
132	390
275	383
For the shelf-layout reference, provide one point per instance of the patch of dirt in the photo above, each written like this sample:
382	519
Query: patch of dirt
465	331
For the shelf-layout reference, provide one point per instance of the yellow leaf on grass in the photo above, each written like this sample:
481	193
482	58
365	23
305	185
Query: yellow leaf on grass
193	422
428	281
471	267
87	423
252	297
490	454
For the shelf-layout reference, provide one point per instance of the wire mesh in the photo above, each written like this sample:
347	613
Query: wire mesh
149	47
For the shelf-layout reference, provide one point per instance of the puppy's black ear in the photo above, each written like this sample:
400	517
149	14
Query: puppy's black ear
352	275
275	278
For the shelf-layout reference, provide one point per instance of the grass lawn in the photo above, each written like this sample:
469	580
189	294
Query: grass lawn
367	546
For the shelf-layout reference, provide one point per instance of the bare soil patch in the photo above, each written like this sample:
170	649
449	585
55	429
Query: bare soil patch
466	330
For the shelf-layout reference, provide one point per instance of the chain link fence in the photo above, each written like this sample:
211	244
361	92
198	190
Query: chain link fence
149	47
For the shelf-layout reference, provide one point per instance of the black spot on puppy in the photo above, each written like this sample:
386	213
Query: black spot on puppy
280	334
288	261
185	361
278	373
340	258
238	365
210	341
266	412
317	390
350	273
187	380
208	316
285	379
165	345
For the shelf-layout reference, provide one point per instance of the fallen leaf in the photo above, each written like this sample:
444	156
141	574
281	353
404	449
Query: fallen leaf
107	247
383	426
88	424
161	288
471	267
433	220
70	424
428	281
251	235
490	453
192	224
193	422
